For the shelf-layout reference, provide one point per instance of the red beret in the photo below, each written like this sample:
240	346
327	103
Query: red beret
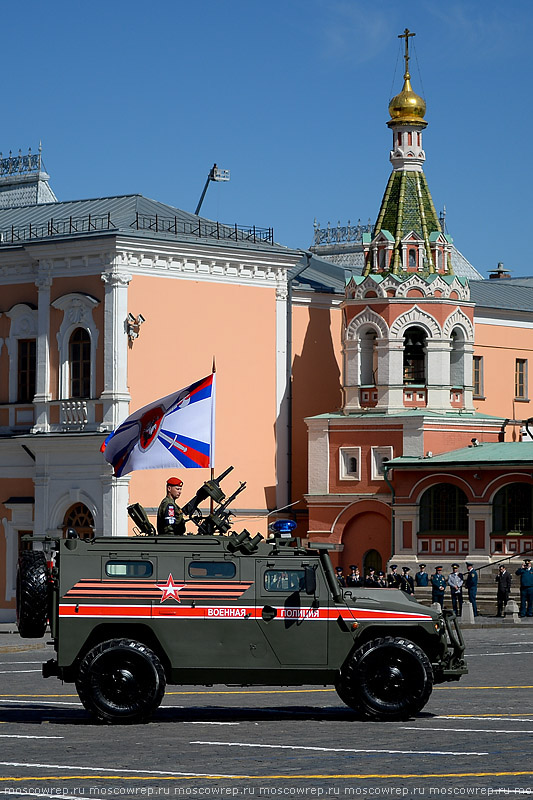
174	482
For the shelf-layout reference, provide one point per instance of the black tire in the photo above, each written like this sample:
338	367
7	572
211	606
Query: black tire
32	594
386	679
121	681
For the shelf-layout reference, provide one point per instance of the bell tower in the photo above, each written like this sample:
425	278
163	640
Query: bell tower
407	236
409	334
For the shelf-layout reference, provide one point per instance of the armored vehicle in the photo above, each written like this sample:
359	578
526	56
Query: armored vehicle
130	614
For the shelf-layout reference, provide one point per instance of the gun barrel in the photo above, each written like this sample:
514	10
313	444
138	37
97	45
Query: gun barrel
232	497
221	477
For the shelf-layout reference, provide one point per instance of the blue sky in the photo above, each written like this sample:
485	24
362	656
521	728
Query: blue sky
291	96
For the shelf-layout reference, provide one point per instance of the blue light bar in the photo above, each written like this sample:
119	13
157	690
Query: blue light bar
283	525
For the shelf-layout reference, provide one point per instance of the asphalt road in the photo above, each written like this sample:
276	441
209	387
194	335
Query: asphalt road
473	739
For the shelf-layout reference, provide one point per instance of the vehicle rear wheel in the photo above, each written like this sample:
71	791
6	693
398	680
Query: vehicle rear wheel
32	594
386	679
121	681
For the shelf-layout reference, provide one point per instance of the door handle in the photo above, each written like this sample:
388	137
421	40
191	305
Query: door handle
268	613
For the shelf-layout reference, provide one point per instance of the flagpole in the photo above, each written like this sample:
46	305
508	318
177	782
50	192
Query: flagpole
213	372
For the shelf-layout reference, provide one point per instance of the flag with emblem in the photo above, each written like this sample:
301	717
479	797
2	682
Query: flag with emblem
176	431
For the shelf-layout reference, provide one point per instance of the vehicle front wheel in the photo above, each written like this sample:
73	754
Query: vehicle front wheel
386	679
121	681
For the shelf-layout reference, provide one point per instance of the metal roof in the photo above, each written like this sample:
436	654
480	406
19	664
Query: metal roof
132	214
482	455
318	275
515	294
462	267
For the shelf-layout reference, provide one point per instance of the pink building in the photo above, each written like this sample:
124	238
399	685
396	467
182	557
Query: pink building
107	305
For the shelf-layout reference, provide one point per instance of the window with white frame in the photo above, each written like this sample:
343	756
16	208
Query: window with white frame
77	351
520	379
21	350
350	463
380	456
478	376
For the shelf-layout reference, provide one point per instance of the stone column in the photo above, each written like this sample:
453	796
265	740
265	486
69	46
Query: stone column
283	431
115	494
479	512
115	396
405	513
42	378
351	358
42	494
390	373
438	374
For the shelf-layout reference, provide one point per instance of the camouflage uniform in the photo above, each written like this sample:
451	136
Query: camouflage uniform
170	520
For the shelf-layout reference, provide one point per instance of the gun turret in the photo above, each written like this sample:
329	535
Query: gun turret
218	519
209	489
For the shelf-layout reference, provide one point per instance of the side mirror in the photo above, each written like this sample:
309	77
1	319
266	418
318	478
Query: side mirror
310	579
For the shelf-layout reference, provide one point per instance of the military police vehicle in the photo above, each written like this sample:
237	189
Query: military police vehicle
130	614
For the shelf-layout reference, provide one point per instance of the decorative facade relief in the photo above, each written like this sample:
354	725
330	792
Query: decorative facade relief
415	316
366	317
458	319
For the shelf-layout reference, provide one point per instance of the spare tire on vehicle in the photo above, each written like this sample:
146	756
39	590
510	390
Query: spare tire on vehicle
32	594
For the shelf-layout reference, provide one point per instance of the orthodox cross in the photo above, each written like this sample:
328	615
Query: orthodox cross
405	35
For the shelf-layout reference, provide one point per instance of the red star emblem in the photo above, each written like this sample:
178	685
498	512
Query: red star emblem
170	589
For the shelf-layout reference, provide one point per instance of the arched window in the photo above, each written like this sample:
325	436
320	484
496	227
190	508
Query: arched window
369	362
79	350
512	508
443	508
80	518
372	559
457	353
414	356
412	257
27	364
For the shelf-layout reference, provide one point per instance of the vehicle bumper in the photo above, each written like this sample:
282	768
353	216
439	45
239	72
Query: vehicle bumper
452	665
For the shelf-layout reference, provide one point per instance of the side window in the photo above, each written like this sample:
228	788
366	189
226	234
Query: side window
129	569
212	569
284	580
26	370
80	363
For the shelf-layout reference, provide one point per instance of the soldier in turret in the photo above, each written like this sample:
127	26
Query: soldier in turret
170	520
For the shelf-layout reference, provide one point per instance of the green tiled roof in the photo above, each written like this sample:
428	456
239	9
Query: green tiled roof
483	455
407	206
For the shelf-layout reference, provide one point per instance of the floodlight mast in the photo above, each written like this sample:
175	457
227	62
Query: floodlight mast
215	174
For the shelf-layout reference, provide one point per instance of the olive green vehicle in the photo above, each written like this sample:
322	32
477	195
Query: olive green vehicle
129	615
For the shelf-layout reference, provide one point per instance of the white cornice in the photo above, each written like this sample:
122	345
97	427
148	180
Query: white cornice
197	260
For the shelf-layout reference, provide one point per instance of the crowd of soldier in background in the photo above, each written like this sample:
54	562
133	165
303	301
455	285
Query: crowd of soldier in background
439	583
375	579
456	582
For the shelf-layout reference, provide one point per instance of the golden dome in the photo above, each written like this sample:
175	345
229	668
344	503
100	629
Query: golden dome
407	106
